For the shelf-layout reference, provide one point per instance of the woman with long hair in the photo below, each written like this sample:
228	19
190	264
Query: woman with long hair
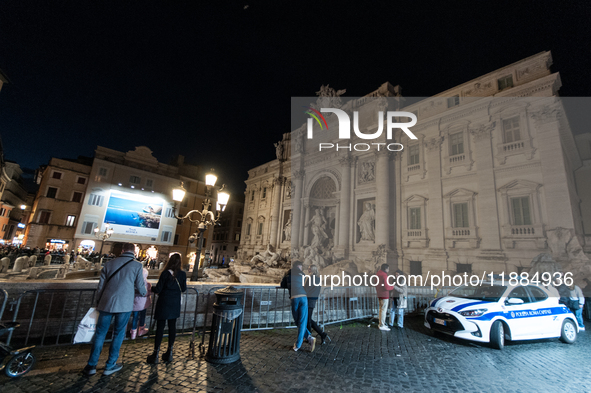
313	292
172	282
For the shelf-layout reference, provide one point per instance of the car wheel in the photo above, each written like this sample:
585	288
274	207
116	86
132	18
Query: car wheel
497	335
568	333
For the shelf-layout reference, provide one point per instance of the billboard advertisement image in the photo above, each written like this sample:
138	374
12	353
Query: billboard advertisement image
133	214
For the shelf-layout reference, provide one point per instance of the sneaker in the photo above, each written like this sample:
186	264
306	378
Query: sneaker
142	330
89	370
133	333
114	369
295	349
385	328
312	342
581	328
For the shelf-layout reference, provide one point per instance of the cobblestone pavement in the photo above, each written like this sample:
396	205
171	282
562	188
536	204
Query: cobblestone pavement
360	358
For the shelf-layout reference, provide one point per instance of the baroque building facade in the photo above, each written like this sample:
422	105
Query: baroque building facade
488	184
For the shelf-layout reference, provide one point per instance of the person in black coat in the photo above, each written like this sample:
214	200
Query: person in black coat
171	283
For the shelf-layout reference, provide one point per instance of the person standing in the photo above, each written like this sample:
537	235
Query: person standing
171	284
401	300
578	301
119	281
294	282
383	293
313	292
140	306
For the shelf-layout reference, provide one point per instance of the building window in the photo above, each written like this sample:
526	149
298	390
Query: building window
461	215
248	229
505	82
70	221
260	232
521	212
88	227
135	180
169	213
103	172
77	197
239	223
453	101
456	143
224	248
44	217
240	210
51	192
511	130
2	212
237	237
264	193
149	183
464	268
81	180
413	155
176	239
252	195
95	200
416	268
235	248
4	227
414	214
166	235
57	175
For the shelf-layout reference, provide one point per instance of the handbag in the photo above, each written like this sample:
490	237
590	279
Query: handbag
87	327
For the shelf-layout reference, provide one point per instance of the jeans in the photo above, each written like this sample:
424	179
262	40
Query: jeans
299	310
397	312
138	316
579	315
383	311
102	327
312	324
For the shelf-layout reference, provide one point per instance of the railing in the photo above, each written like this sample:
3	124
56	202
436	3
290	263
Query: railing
414	233
523	230
52	316
457	158
411	168
4	300
508	147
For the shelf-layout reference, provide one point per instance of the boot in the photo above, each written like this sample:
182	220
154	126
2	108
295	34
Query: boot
153	358
142	330
133	333
167	356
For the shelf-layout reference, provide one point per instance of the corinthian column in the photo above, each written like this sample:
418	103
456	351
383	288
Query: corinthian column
296	206
382	199
276	210
345	206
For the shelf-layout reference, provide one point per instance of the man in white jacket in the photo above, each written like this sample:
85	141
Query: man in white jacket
401	303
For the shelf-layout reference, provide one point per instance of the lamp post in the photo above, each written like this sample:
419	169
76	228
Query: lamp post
104	235
206	216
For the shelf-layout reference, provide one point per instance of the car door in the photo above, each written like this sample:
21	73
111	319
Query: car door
546	324
518	316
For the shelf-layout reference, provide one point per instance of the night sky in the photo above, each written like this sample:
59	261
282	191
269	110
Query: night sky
212	81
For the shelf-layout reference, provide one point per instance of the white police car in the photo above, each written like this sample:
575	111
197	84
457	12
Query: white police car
493	313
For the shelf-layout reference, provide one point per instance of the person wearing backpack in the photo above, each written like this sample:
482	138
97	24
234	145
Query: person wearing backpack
120	279
171	284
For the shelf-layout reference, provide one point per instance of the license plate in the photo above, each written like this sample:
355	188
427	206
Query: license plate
439	321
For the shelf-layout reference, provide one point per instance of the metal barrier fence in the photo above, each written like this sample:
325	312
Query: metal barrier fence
4	300
51	316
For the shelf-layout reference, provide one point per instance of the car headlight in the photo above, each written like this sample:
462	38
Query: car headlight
473	313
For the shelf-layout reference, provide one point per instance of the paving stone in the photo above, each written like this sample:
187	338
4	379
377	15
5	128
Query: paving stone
358	359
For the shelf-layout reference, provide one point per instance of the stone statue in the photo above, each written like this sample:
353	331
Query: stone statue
366	223
279	150
268	257
367	172
287	229
318	225
328	98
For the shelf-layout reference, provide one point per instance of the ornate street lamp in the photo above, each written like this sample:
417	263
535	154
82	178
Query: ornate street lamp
206	216
104	235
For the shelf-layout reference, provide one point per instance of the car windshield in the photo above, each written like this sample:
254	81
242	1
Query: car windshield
484	292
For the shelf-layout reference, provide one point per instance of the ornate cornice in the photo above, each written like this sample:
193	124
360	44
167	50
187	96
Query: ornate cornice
546	114
433	143
298	175
347	161
483	131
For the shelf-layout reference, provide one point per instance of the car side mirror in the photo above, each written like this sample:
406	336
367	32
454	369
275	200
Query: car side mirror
515	300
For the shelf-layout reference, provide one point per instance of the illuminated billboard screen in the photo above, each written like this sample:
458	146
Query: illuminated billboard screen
133	214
